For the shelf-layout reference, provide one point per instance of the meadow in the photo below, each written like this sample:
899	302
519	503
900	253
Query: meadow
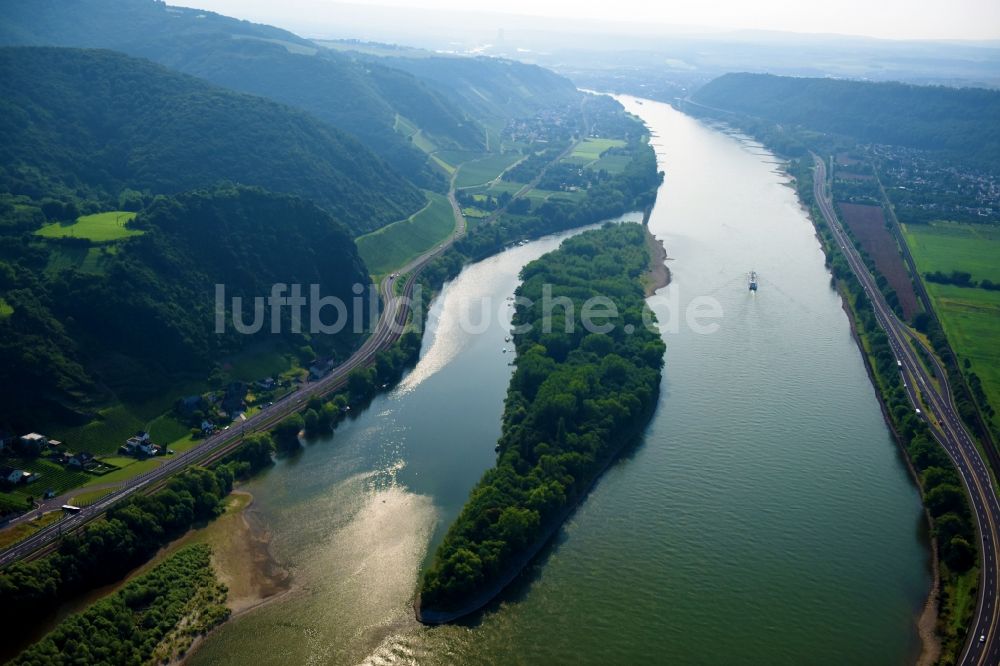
98	228
950	246
970	317
392	247
591	149
481	171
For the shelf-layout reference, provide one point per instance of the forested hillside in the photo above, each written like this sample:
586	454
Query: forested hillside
361	98
492	87
959	121
78	123
140	313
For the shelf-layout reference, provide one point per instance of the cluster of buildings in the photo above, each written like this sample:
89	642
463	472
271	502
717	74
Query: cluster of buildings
548	125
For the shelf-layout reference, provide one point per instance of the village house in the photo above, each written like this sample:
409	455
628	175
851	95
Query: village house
33	442
140	444
10	475
81	460
233	403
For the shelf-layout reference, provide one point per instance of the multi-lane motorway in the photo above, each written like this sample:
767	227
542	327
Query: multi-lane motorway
934	402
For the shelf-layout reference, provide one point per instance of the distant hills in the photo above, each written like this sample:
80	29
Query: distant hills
91	123
243	56
250	155
961	122
491	87
445	98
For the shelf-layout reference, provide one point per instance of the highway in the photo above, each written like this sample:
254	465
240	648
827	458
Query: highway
982	645
388	329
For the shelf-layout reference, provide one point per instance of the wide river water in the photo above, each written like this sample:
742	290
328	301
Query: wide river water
766	517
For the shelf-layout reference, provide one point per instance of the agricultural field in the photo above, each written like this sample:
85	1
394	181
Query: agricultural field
867	224
391	247
539	196
970	316
482	171
498	188
83	259
613	164
98	228
591	149
49	475
6	309
953	246
404	126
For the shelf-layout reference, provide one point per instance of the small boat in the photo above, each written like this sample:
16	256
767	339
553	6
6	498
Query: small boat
752	280
507	339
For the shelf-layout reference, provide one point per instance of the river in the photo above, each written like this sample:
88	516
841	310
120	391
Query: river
766	517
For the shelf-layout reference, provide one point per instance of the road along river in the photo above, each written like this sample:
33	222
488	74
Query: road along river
765	517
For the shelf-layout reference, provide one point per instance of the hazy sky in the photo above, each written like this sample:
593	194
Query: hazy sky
896	19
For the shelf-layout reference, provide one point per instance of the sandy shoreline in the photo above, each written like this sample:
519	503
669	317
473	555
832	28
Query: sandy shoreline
243	562
658	275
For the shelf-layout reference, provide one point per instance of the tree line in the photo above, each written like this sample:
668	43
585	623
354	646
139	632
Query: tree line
137	624
961	279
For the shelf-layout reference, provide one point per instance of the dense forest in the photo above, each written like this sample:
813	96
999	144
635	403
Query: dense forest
144	311
141	623
445	97
956	121
574	400
90	124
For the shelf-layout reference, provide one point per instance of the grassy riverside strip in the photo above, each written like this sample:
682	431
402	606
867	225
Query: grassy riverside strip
154	618
574	401
944	498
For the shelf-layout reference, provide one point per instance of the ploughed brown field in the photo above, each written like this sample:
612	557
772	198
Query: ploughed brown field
867	223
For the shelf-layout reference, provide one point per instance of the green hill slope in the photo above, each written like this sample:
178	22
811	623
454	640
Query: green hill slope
360	98
144	317
959	121
92	123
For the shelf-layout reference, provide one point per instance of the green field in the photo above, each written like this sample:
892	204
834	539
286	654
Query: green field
392	247
482	171
98	228
591	149
6	309
950	246
613	164
49	475
970	317
83	259
447	168
498	188
135	468
540	196
971	320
